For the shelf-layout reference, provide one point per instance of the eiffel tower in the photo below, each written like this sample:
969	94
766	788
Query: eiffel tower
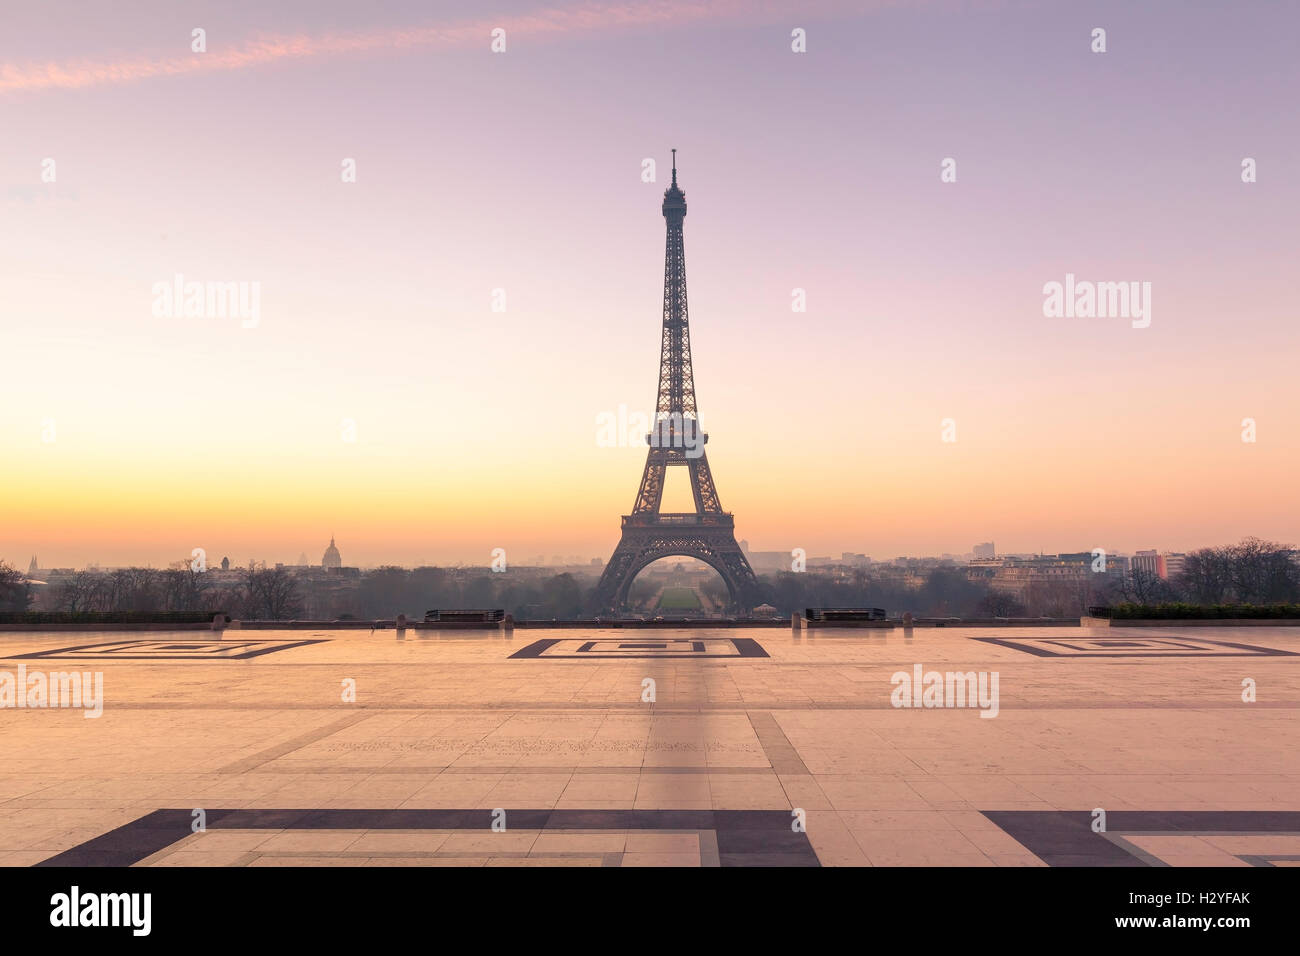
708	533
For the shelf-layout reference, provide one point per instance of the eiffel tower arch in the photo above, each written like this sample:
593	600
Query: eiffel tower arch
677	441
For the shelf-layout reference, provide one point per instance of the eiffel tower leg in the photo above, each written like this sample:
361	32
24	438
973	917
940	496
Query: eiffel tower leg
611	591
744	593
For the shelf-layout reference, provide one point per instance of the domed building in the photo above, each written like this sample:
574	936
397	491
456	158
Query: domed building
332	558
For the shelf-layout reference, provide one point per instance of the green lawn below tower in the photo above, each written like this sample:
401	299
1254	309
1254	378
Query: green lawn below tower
679	599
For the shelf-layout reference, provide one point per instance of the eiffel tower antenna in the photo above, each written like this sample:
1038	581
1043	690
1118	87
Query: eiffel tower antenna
708	533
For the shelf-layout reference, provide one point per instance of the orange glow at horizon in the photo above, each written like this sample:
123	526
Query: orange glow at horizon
381	398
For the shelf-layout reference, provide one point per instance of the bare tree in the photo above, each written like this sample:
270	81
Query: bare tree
1262	572
82	592
715	589
271	594
185	589
133	589
1207	576
1001	604
15	592
1141	586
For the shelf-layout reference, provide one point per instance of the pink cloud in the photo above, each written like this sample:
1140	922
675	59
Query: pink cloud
555	21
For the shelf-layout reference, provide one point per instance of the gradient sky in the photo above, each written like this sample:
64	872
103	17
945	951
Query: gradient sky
521	171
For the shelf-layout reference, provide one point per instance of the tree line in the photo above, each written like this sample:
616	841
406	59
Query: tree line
1254	571
261	592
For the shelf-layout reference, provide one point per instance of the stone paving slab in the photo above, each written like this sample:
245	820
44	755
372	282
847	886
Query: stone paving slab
642	756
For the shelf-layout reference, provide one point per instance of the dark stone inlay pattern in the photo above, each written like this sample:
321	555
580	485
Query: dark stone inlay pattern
780	753
194	650
1065	837
746	647
745	837
1270	860
1152	647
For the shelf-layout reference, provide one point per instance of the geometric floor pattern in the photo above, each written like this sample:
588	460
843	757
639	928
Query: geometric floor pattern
370	749
641	647
175	650
1157	838
1136	647
454	837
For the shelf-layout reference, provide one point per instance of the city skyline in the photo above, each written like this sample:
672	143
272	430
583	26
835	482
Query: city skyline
377	394
596	561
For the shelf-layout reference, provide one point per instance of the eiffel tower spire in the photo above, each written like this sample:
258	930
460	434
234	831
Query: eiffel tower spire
708	532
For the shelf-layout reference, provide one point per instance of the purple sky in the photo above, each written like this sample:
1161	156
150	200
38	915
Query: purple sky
521	171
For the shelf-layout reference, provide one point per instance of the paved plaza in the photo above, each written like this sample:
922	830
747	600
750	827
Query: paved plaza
659	747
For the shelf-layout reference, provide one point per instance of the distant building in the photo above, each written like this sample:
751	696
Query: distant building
1058	585
770	560
332	558
983	568
225	564
1148	562
1174	564
32	568
984	551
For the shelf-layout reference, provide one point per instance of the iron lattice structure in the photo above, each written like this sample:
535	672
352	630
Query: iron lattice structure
708	533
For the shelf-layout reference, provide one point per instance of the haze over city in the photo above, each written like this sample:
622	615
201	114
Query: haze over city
131	439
